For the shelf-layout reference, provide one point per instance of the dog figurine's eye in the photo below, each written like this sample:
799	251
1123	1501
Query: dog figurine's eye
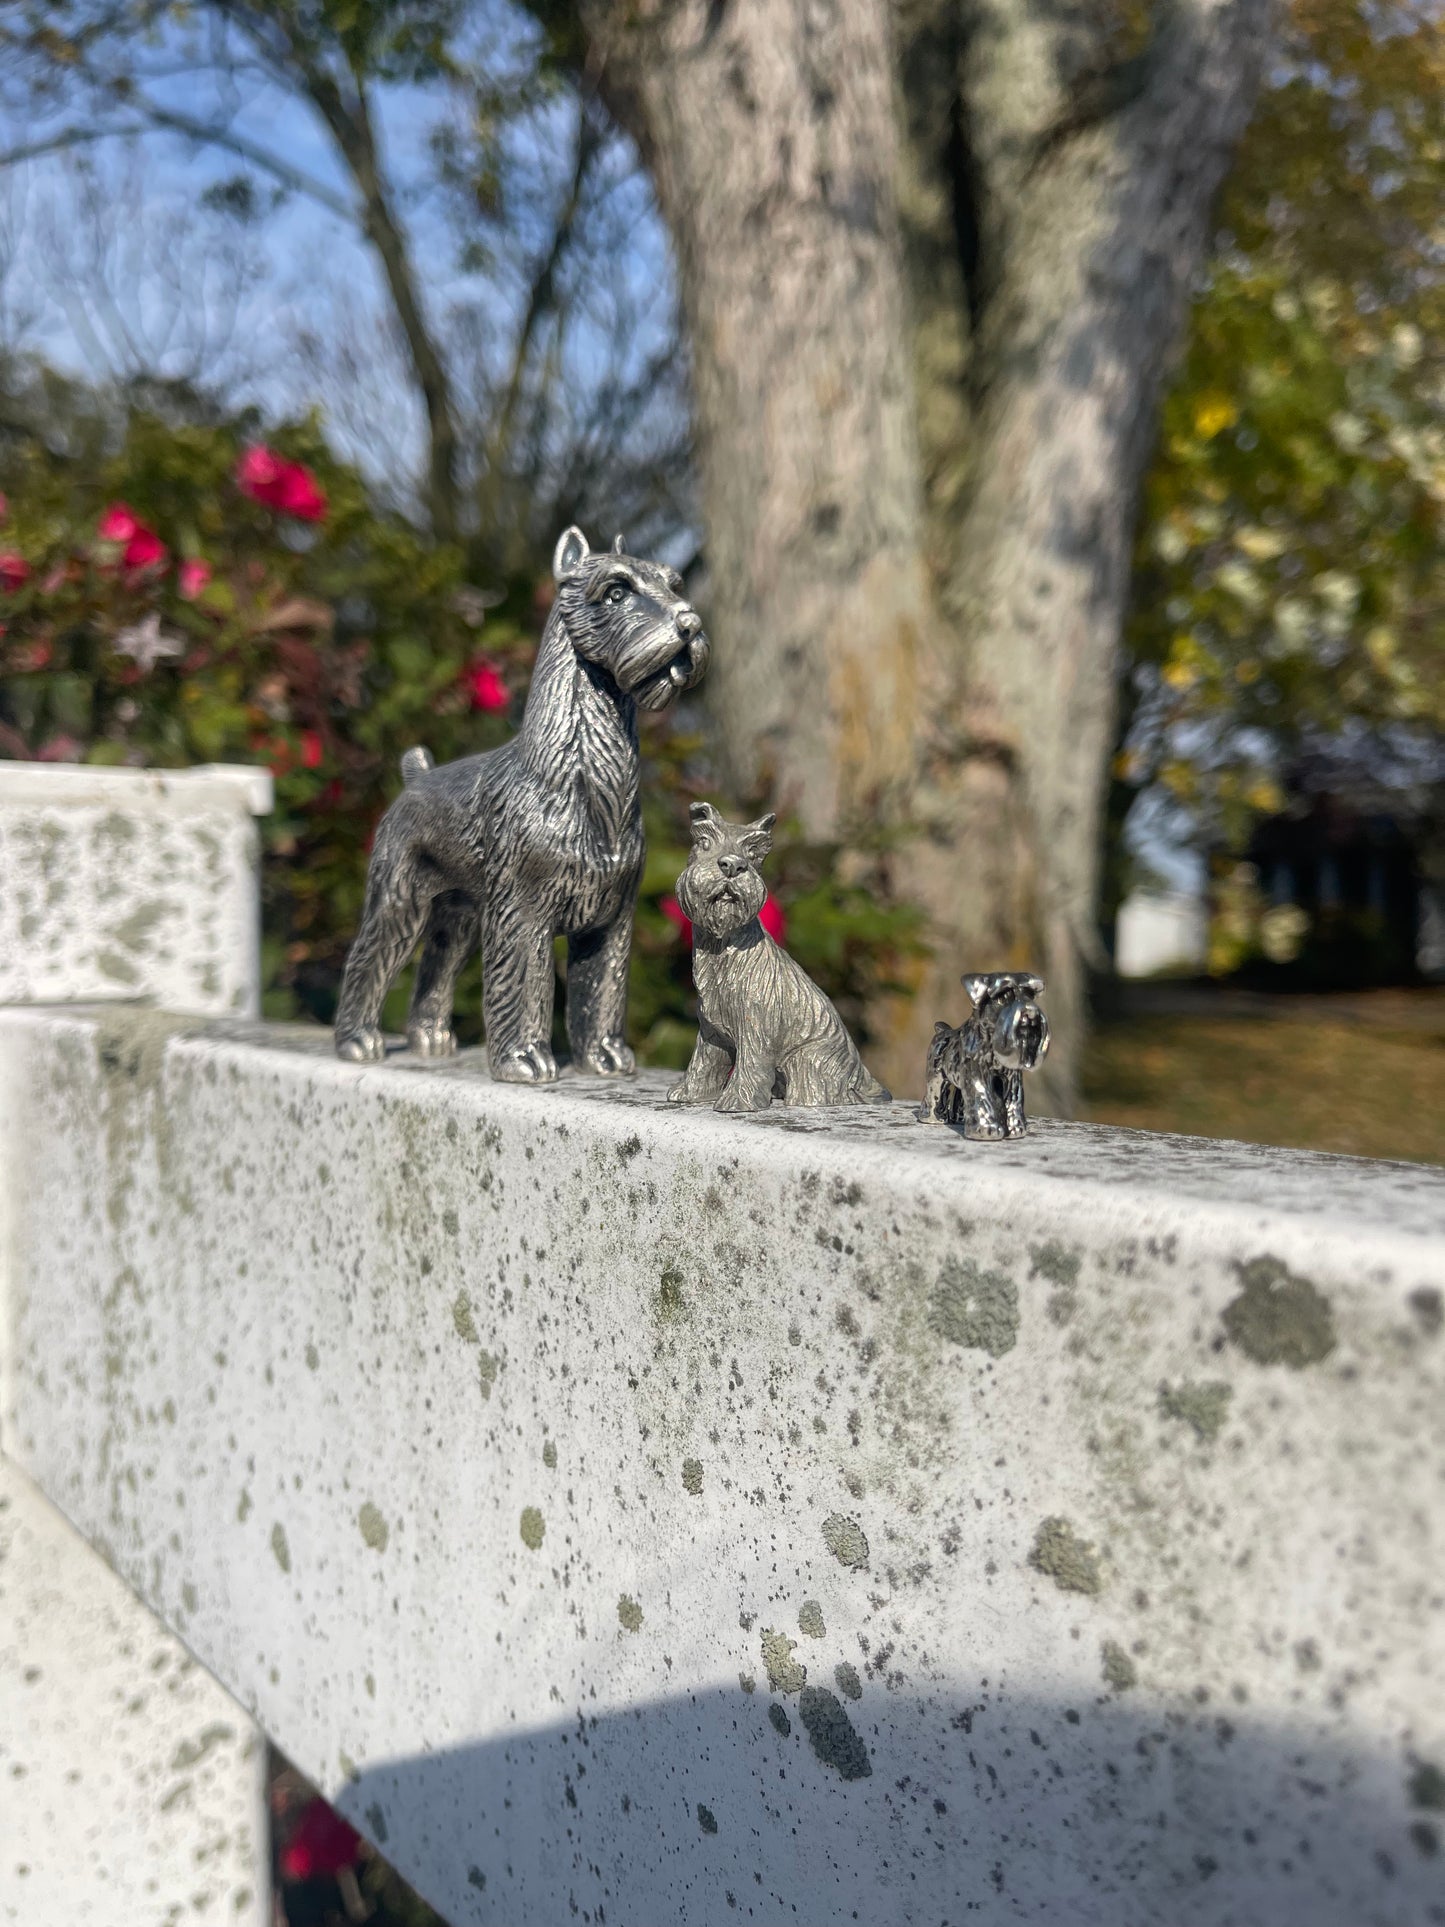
616	592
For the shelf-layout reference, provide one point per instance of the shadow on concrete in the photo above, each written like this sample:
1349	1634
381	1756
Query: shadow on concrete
991	1808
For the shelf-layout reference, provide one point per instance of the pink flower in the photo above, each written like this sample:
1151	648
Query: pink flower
145	551
311	748
14	571
119	523
674	912
322	1844
60	749
284	486
486	688
193	576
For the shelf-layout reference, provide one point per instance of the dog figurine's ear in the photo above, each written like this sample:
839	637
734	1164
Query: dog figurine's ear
619	545
1029	986
977	988
757	839
707	825
571	551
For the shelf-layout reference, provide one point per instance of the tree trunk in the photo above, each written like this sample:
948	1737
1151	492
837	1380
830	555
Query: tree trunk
933	268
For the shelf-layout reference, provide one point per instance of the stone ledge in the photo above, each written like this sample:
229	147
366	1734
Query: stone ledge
501	1448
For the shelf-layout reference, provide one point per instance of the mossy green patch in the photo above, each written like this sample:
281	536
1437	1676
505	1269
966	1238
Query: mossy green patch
785	1675
462	1319
705	1818
832	1735
670	1300
1279	1318
1071	1562
549	1455
1055	1262
374	1529
488	1367
1119	1670
692	1476
534	1527
779	1721
844	1539
810	1619
313	1357
1205	1406
975	1308
280	1548
629	1614
1426	1787
845	1678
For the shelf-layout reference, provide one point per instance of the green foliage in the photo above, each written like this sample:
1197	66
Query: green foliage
1288	585
323	650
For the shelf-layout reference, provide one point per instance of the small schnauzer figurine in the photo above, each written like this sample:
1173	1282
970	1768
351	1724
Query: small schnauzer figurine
764	1029
538	839
975	1073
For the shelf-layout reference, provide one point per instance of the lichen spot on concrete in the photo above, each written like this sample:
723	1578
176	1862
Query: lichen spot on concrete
832	1735
629	1614
533	1528
1055	1262
747	1682
374	1529
779	1721
1119	1670
313	1357
670	1301
280	1548
462	1319
978	1309
785	1674
487	1369
810	1619
692	1476
1427	1787
549	1455
1279	1318
844	1539
451	1224
705	1818
845	1678
1060	1554
1204	1407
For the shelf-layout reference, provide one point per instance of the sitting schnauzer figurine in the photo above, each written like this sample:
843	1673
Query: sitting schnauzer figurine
764	1029
975	1073
538	839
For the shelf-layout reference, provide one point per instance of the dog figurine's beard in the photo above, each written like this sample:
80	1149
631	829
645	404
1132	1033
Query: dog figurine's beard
657	686
1020	1036
716	904
653	661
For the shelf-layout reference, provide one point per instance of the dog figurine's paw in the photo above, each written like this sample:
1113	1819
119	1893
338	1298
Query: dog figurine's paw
432	1040
365	1046
527	1064
609	1057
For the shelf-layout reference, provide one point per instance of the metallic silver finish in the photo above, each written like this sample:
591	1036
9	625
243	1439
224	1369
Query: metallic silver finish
538	839
975	1073
764	1029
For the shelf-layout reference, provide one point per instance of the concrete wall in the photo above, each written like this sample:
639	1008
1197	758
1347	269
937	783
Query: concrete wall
132	1785
131	885
635	1516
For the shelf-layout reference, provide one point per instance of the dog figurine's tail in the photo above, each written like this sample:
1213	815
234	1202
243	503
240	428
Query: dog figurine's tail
415	764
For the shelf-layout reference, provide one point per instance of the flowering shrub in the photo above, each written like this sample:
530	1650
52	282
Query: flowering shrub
191	596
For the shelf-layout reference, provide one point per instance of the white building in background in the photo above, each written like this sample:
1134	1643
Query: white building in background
1156	931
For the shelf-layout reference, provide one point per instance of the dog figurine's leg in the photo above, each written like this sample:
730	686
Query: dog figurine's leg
391	925
750	1088
597	998
982	1116
451	935
1015	1123
517	982
707	1075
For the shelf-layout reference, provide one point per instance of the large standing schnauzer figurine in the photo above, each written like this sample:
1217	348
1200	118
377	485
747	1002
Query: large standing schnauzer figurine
538	839
975	1076
764	1029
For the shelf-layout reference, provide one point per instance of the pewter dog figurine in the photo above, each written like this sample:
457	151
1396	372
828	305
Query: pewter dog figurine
538	839
764	1029
975	1073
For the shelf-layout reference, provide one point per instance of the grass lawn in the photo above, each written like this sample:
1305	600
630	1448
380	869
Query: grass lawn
1365	1078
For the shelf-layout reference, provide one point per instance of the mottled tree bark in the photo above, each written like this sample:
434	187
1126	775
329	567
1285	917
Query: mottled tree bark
933	263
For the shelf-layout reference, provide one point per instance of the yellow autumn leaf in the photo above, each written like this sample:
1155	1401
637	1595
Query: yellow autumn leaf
1265	796
1246	672
1260	545
1180	675
1213	413
1380	646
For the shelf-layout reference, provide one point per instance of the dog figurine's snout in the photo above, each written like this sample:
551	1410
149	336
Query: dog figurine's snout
1021	1036
689	624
